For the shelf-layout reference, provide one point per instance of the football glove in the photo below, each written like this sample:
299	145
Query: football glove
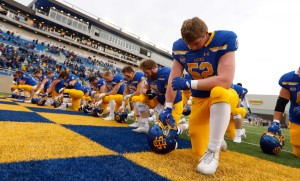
180	83
150	94
275	128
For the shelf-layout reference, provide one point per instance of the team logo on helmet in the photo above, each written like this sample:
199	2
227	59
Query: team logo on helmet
162	139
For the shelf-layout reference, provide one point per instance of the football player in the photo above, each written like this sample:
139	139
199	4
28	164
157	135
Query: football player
289	92
134	84
26	83
209	58
157	80
114	97
73	88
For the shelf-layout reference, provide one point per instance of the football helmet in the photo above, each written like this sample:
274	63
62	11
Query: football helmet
35	100
186	111
271	144
97	112
14	95
87	109
121	117
41	102
162	139
56	103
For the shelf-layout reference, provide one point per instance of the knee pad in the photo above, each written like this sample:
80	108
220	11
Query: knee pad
241	111
219	94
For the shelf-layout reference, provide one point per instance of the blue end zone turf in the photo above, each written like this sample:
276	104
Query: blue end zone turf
10	103
20	116
36	109
121	140
81	168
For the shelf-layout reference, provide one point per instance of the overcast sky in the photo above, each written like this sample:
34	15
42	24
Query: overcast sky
268	30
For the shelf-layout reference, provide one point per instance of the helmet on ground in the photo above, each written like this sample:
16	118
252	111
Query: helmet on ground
97	112
56	103
121	117
87	108
41	102
271	144
35	100
162	139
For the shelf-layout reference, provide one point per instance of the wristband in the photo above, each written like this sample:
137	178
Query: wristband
194	84
169	105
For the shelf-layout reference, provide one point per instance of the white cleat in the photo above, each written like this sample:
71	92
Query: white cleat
141	129
62	107
134	125
109	118
208	163
131	114
243	133
28	101
223	146
182	121
152	118
237	139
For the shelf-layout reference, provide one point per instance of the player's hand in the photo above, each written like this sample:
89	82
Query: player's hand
37	93
275	128
150	94
180	83
102	95
171	121
164	115
127	97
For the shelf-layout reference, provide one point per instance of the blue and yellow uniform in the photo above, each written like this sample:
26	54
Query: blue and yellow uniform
118	98
76	92
132	84
159	86
100	83
87	93
30	82
201	64
47	84
291	82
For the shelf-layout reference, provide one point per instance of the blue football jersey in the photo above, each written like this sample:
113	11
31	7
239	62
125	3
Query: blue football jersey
203	63
117	78
291	82
132	84
28	79
238	89
59	85
72	77
160	83
47	84
100	83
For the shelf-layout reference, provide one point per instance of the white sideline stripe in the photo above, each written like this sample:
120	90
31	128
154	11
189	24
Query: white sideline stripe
258	145
261	134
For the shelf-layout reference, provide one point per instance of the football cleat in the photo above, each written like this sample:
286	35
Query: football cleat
134	125
109	118
208	163
131	114
243	133
237	139
223	146
142	129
